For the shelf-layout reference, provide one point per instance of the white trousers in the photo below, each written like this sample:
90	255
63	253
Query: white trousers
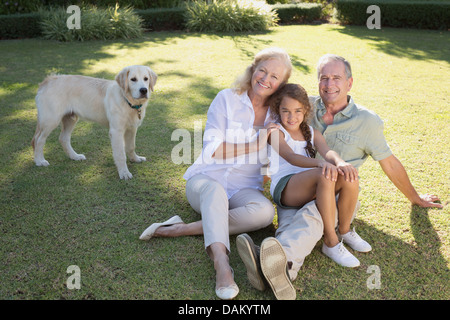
298	231
248	210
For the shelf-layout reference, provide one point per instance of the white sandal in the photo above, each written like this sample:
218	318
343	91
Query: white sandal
150	231
230	292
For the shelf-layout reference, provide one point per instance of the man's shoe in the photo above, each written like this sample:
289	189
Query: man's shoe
250	256
274	268
340	255
355	241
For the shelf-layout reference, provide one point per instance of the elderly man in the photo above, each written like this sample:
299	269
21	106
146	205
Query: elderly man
355	133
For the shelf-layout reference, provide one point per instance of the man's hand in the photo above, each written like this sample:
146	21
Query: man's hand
349	172
428	201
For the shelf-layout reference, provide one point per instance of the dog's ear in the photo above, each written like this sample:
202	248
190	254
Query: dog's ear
122	79
153	77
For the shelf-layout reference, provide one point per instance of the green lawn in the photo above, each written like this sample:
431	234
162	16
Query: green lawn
80	213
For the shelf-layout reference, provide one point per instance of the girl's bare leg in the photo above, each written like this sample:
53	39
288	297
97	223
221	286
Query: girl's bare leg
304	187
348	197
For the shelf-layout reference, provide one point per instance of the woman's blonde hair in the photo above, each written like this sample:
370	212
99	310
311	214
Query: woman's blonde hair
243	83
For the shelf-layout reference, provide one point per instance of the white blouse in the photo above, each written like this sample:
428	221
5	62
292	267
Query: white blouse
279	167
230	119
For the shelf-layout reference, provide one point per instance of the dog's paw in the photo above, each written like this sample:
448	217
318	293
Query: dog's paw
78	157
42	163
139	159
125	175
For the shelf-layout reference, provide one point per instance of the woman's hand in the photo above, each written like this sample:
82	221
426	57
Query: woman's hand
349	172
330	171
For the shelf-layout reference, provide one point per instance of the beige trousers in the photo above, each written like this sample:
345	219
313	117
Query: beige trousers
248	210
298	231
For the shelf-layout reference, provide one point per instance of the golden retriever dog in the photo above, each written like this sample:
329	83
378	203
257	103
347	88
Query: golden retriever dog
119	105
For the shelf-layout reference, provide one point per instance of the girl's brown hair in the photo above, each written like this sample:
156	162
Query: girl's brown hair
298	93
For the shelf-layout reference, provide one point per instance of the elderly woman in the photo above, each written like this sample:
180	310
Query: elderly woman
224	184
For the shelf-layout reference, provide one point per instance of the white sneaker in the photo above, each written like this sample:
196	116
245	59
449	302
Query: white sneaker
340	255
355	241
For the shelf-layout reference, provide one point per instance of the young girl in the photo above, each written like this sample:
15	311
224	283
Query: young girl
298	177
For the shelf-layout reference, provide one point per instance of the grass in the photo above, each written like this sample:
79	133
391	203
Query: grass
80	213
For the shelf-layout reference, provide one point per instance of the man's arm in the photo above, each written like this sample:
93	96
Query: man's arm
397	174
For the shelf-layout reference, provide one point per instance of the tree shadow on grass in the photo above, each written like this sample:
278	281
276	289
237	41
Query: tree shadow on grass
430	45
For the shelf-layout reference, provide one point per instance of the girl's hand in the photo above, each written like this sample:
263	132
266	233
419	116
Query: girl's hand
264	134
329	170
270	127
349	172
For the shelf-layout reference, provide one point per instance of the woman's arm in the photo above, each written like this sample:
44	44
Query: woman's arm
228	150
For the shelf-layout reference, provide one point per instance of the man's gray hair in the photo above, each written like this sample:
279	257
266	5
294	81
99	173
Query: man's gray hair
333	57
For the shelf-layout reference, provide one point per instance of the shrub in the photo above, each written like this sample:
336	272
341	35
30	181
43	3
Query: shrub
103	24
397	13
125	23
229	16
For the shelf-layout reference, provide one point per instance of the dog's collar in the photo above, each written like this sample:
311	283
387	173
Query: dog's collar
136	107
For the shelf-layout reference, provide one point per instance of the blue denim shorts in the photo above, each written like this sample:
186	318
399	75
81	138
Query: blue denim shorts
279	190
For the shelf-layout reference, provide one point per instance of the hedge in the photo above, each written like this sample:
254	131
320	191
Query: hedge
302	12
163	19
397	13
20	26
